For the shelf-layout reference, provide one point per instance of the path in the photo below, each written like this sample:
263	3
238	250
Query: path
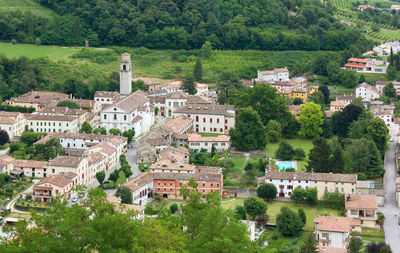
10	205
391	226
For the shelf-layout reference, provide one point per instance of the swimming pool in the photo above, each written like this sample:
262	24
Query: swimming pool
284	165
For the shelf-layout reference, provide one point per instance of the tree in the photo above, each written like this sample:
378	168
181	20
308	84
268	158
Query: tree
343	120
298	194
206	50
319	155
113	176
380	247
311	120
125	194
378	132
391	73
100	130
100	176
198	70
228	82
288	223
262	220
115	131
274	131
318	98
334	200
241	212
285	151
173	208
389	90
129	134
355	245
156	110
4	138
311	195
375	28
358	101
255	207
302	215
310	244
86	128
299	154
362	79
381	219
188	86
267	191
326	92
30	137
249	131
69	104
297	101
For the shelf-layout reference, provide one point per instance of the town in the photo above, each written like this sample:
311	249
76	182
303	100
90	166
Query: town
200	126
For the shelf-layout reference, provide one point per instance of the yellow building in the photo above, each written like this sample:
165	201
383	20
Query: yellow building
300	92
312	89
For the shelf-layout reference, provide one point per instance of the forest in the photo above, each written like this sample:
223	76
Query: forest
184	24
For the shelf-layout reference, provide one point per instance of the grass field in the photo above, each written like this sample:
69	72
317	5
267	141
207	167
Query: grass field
239	163
32	51
25	5
274	208
370	235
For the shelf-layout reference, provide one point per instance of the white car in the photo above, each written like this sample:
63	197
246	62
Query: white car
75	199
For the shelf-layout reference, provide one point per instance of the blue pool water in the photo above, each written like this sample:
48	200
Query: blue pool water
284	165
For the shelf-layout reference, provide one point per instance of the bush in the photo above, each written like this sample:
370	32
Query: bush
28	197
267	191
148	210
334	200
361	176
182	58
299	154
285	151
240	212
288	222
173	208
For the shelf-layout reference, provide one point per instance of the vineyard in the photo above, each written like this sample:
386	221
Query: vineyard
347	10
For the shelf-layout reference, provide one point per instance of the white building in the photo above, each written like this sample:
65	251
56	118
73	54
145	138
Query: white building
173	86
395	7
363	207
381	84
142	187
220	142
13	123
332	231
65	111
209	118
75	164
106	97
370	65
385	48
276	75
367	92
53	123
131	112
202	89
174	100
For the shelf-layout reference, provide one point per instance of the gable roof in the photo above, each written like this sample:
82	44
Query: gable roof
336	224
131	102
199	138
361	201
178	124
60	180
311	176
368	86
66	161
206	109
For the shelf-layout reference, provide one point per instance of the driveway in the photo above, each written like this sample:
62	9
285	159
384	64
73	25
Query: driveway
391	226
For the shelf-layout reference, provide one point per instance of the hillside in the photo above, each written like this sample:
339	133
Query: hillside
26	5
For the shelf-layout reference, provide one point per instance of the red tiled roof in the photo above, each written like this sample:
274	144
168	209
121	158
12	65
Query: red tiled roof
353	65
358	60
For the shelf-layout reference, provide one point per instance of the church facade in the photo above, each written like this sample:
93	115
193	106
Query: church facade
132	110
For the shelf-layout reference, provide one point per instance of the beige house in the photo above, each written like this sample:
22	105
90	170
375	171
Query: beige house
50	187
138	211
146	153
61	111
96	163
172	166
53	123
106	97
198	142
6	164
108	151
31	168
75	164
332	231
180	154
338	106
87	104
37	99
202	89
13	123
363	207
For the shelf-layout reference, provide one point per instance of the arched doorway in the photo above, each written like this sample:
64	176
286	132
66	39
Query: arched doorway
165	196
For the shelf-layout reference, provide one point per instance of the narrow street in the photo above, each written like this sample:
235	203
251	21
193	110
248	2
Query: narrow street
391	226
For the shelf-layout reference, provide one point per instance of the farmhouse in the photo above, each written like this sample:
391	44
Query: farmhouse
367	92
221	143
363	207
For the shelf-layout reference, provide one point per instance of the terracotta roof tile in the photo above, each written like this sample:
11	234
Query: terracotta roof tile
333	223
66	161
329	177
361	201
199	138
60	180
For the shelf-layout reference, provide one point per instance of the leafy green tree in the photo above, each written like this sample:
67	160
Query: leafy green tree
381	219
336	160
319	155
156	110
326	92
129	134
297	101
362	79
267	191
113	176
86	128
69	104
274	131
285	151
198	70
255	207
100	176
334	200
389	90
240	212
298	194
4	138
100	130
343	120
288	223
249	131
115	131
206	50
358	101
318	98
311	120
30	137
378	132
311	195
299	154
125	194
310	244
355	245
173	208
228	82
302	215
391	73
188	86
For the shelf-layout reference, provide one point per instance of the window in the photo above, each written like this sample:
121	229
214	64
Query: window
217	120
115	116
342	189
124	117
105	116
325	235
53	171
210	120
326	188
354	212
204	120
197	118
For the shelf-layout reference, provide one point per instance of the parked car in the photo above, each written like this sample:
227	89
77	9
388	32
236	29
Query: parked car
391	139
75	199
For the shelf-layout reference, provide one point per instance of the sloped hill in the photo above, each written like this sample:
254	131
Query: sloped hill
26	5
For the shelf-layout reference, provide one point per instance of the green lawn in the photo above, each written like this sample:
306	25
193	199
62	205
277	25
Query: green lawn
371	235
33	51
209	134
26	5
274	208
239	163
298	142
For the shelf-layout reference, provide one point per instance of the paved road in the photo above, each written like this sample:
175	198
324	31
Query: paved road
391	226
131	158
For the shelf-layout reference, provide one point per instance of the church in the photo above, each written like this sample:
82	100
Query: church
132	110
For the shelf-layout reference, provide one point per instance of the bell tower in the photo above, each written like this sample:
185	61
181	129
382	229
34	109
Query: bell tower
125	77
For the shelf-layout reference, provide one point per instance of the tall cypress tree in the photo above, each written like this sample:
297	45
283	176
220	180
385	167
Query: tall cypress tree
198	70
319	156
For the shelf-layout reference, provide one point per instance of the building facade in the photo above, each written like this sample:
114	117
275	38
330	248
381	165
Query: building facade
363	207
13	123
276	75
221	143
367	92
